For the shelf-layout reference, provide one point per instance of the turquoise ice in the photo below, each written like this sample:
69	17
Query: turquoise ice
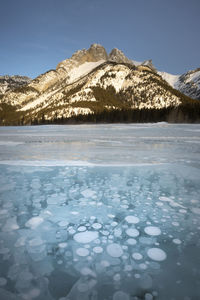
96	212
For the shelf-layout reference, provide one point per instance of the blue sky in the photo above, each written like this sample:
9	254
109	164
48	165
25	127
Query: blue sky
35	35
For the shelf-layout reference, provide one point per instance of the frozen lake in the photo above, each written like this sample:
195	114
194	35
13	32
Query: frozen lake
100	212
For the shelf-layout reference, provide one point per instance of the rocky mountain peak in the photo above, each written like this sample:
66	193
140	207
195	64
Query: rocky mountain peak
79	54
118	56
97	52
149	64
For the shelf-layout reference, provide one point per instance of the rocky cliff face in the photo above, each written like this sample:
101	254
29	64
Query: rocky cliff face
118	56
89	82
8	83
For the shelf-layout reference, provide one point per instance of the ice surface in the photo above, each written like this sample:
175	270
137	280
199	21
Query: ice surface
3	281
34	222
120	295
10	225
82	252
96	212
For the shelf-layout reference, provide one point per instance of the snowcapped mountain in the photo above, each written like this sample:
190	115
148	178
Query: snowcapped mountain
11	82
91	82
188	83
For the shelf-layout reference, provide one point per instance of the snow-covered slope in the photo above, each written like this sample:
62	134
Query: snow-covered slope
83	69
170	78
91	81
108	86
188	83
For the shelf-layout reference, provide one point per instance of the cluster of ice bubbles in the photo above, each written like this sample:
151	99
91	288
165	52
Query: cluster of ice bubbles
82	233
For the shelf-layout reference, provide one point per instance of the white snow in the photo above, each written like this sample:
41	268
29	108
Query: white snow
152	230
86	236
156	254
83	70
171	79
40	99
114	250
193	77
10	143
119	79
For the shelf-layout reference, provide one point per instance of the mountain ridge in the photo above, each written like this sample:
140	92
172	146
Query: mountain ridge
91	82
187	83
